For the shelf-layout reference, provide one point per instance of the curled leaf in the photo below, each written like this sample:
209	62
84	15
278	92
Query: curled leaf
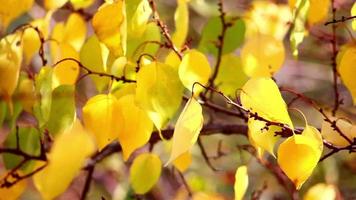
299	154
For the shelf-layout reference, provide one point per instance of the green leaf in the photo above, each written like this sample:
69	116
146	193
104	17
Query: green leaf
43	84
29	142
234	36
2	112
62	109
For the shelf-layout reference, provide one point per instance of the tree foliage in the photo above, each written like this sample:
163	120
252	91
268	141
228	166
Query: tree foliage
185	99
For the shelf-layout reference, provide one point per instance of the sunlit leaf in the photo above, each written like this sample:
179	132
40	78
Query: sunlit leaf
30	39
159	92
66	73
54	4
14	192
187	129
321	191
11	9
263	137
262	95
78	4
268	18
10	63
145	172
107	23
230	77
194	68
262	56
299	154
135	127
75	31
241	182
346	69
181	20
332	136
101	116
298	32
183	161
318	10
138	13
94	55
26	94
67	156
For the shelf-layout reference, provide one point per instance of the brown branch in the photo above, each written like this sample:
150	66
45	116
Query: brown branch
341	20
87	182
220	43
91	72
164	29
337	101
205	156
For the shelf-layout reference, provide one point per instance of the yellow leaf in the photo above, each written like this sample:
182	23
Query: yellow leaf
194	68
187	129
353	13
135	127
101	116
31	41
262	56
75	31
138	14
261	137
181	19
27	94
183	161
172	59
67	156
318	10
321	191
300	12
346	69
14	192
332	136
268	18
230	77
12	9
78	4
107	23
10	63
299	154
159	92
66	72
145	172
54	4
241	182
262	95
94	55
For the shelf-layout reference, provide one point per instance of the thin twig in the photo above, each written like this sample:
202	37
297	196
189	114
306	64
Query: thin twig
341	20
